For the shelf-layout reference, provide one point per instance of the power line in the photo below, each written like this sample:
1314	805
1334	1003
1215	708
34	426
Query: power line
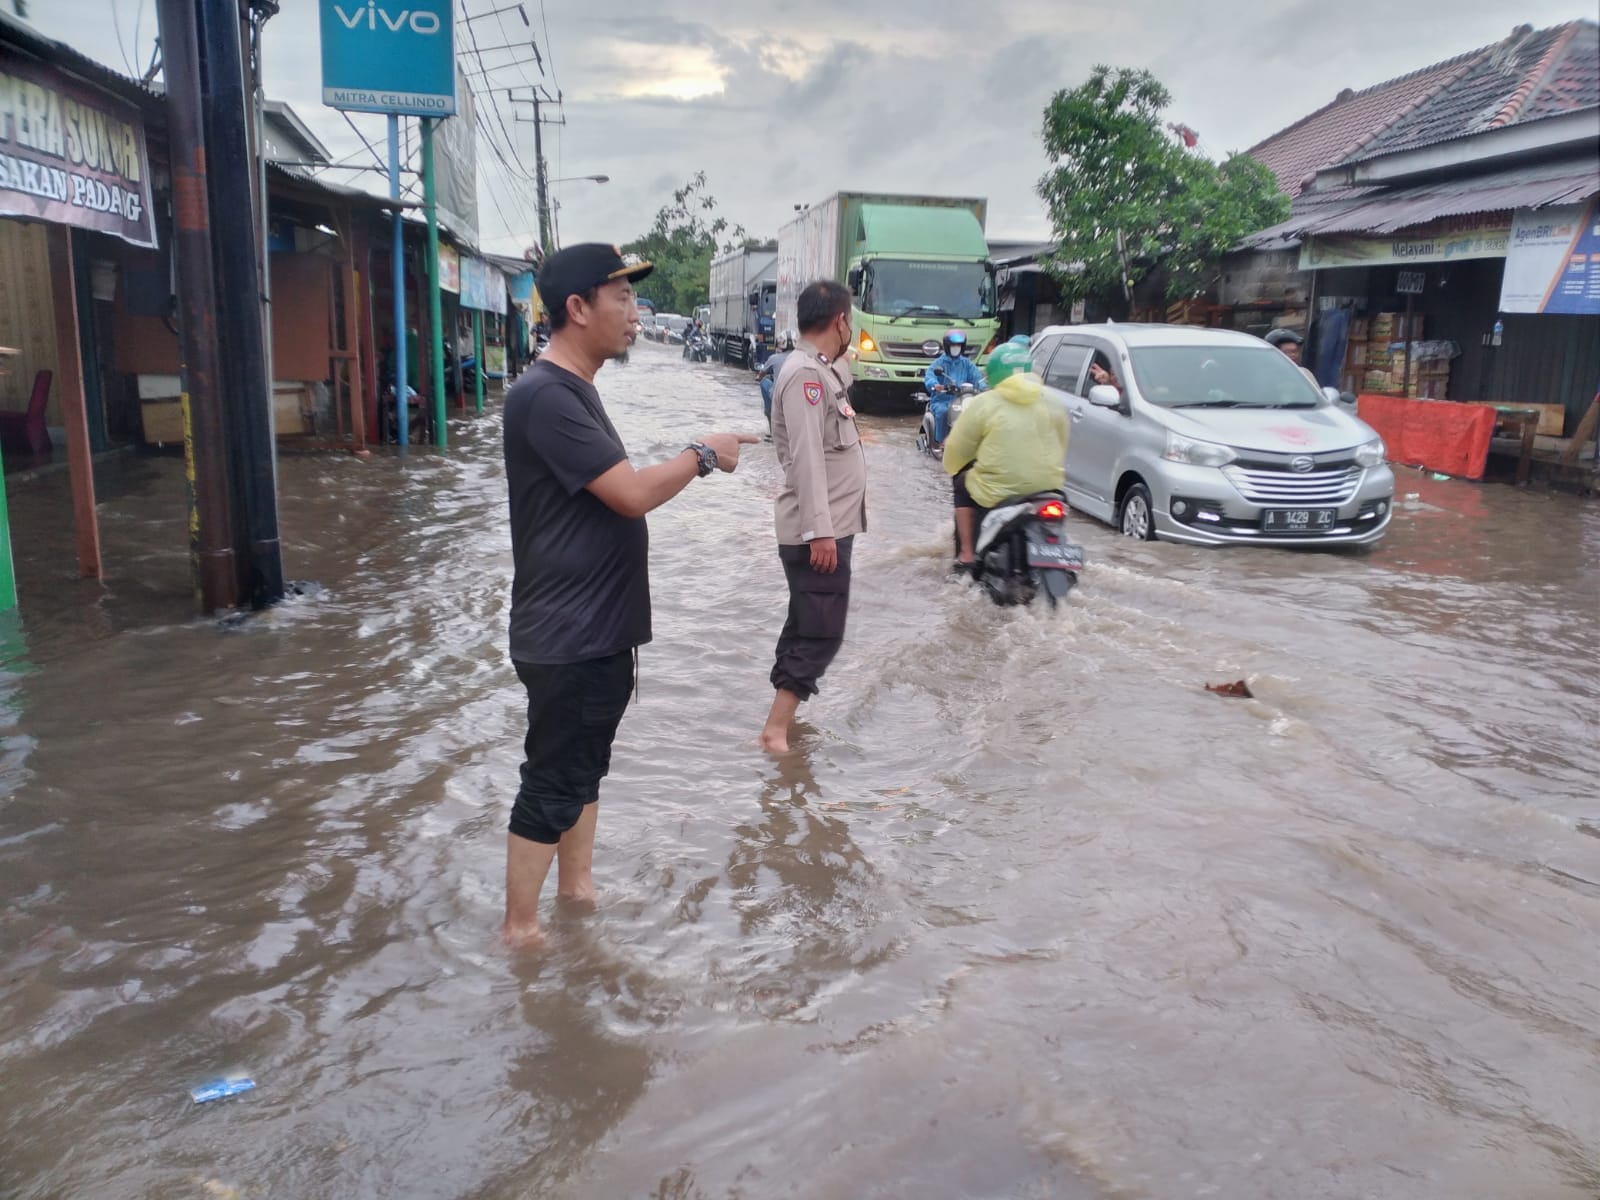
116	25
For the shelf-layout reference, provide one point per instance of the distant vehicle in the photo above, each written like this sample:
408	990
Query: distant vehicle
744	300
658	331
1211	437
647	324
916	266
672	327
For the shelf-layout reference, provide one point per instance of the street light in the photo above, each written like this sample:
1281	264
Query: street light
556	204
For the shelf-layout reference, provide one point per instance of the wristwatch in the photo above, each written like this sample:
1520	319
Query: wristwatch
707	456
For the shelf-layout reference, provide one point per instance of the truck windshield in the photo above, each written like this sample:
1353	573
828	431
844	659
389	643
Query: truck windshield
769	301
1220	377
912	288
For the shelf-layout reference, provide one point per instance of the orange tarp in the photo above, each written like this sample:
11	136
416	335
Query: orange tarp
1439	435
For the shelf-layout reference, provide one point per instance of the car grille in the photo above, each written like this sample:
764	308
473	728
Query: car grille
1295	488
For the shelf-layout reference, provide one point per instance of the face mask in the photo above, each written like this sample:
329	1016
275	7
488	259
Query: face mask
956	350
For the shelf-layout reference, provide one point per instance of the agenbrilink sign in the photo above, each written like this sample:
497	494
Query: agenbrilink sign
389	56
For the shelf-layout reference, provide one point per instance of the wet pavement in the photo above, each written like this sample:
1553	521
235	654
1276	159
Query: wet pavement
1029	914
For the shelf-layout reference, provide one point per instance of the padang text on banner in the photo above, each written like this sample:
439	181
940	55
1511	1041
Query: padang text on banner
71	155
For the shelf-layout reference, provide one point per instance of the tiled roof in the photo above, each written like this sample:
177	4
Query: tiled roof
1341	129
1573	82
1531	75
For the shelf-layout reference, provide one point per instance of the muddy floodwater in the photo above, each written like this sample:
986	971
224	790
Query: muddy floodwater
1029	914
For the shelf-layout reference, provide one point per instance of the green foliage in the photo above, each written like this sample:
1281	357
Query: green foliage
1115	169
686	235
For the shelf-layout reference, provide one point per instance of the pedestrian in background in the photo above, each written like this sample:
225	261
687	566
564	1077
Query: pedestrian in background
580	597
823	504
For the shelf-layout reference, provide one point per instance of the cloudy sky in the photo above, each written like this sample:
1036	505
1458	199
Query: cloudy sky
782	103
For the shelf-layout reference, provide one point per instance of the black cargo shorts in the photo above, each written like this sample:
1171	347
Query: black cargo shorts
573	713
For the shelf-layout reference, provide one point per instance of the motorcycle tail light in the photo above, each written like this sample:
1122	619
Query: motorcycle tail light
1053	510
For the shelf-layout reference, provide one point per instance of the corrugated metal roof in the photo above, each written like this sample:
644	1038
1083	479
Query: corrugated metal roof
19	33
1387	210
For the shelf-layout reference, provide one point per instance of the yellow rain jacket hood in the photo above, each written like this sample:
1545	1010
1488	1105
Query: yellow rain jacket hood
1014	436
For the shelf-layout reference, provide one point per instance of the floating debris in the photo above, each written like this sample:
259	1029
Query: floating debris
1237	688
221	1088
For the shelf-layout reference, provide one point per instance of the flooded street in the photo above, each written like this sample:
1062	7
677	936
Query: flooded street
1029	914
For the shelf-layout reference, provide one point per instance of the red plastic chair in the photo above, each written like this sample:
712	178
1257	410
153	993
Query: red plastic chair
25	432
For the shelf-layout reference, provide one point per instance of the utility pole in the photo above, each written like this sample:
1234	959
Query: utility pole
239	324
540	173
204	437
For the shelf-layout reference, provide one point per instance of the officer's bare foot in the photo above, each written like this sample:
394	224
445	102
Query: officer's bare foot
521	937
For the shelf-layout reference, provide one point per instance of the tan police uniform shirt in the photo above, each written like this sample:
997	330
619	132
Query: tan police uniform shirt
824	467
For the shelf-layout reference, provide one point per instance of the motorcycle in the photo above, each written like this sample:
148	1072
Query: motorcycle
1022	550
925	432
697	347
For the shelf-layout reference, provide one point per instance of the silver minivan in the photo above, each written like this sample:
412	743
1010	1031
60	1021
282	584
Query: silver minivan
1211	437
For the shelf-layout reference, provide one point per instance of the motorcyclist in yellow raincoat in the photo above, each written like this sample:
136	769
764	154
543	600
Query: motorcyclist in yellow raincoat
1009	441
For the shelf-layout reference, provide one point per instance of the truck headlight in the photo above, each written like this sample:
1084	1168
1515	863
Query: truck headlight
1372	454
1195	453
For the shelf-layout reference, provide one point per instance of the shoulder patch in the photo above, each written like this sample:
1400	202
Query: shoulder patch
813	392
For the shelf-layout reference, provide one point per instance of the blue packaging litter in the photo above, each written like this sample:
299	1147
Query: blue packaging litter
220	1088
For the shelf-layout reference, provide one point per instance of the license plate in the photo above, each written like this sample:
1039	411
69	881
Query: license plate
1299	520
1055	554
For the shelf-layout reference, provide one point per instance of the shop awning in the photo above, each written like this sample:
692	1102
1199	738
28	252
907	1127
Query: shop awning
1387	210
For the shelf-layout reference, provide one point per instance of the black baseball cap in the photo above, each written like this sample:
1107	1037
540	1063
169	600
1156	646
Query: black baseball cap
575	269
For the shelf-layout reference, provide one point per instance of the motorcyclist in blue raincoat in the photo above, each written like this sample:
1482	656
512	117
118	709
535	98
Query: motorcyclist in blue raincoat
944	375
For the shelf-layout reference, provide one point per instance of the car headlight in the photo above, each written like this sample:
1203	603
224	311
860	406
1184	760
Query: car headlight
1372	454
1196	454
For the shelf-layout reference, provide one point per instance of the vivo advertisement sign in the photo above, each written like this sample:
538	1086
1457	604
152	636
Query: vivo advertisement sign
389	56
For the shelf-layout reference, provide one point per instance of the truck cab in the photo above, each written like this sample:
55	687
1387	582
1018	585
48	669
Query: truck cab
915	266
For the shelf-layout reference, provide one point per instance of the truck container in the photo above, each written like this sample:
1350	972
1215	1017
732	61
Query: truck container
743	297
916	266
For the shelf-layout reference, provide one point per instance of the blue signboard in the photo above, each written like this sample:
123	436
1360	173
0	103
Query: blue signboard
389	56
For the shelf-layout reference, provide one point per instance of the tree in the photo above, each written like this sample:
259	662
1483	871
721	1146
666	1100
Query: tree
1127	198
686	235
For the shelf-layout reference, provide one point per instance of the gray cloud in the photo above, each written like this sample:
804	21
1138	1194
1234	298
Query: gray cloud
835	94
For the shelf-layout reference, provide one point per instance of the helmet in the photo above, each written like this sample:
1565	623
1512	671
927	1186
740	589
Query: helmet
1022	340
955	343
1006	361
1279	336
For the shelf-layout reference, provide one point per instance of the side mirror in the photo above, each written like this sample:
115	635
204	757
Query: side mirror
854	280
1103	395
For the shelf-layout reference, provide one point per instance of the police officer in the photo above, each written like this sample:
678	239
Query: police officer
823	504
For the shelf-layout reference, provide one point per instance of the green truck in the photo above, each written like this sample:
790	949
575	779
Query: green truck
915	265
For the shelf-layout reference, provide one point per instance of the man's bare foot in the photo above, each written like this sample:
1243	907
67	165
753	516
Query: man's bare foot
521	937
775	741
582	894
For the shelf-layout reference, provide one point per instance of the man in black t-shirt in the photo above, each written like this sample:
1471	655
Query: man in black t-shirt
580	598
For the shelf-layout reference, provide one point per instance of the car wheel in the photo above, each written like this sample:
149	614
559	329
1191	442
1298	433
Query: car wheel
1137	516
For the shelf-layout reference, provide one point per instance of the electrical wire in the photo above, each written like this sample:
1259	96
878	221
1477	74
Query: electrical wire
116	25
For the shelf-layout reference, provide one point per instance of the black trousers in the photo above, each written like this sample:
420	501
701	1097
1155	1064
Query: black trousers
818	606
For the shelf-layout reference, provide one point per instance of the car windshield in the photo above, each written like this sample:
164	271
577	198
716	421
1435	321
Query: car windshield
1219	377
951	290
